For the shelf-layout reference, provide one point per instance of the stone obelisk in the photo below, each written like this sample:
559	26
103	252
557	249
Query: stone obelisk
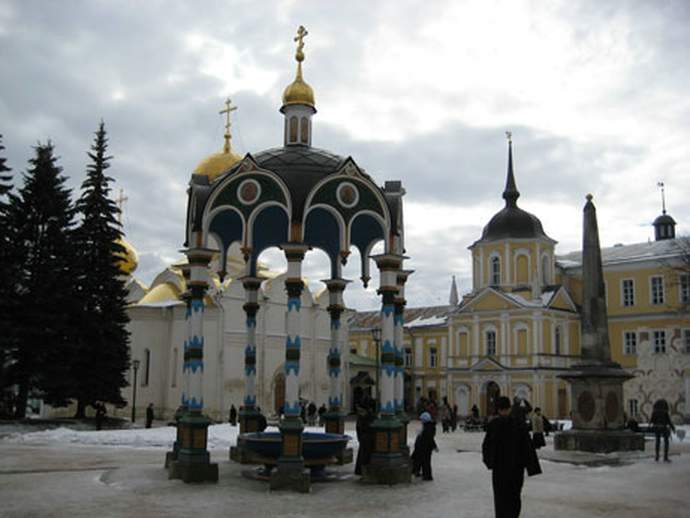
596	382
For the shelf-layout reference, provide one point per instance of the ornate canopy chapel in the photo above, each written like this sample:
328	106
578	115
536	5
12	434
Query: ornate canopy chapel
298	198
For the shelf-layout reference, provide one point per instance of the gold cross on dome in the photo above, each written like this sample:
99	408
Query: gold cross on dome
227	111
301	33
120	201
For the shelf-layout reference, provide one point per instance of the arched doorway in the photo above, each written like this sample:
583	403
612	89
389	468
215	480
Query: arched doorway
462	399
278	392
493	391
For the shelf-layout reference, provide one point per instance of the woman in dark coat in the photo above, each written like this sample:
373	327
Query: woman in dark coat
662	426
423	446
365	436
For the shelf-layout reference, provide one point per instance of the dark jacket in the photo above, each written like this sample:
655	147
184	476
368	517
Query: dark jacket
425	442
507	447
661	420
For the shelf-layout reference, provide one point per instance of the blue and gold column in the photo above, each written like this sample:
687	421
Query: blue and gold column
193	460
334	419
401	411
388	463
248	413
290	472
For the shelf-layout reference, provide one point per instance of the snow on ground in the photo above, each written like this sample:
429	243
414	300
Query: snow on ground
220	436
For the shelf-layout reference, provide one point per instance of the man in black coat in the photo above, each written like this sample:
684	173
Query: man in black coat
507	451
149	415
662	426
423	446
365	436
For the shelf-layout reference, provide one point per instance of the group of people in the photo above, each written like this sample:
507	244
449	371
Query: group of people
447	415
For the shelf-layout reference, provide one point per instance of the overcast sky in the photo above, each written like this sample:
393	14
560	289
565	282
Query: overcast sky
595	93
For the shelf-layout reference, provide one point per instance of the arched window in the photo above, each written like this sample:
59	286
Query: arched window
557	341
147	368
495	271
304	131
545	270
522	269
491	343
293	129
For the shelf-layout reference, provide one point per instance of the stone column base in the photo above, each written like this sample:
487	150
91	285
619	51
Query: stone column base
599	441
249	420
387	469
290	474
193	472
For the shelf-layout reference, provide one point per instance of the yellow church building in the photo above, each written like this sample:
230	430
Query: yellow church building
519	327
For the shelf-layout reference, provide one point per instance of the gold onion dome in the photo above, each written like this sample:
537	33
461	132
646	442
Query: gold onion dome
128	260
216	164
299	92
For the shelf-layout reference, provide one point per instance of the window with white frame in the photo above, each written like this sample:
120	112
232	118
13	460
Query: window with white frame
686	341
633	407
657	289
408	357
628	288
432	357
630	342
495	271
660	342
491	343
684	288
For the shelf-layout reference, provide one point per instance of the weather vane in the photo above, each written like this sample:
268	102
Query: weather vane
663	197
227	111
301	33
509	136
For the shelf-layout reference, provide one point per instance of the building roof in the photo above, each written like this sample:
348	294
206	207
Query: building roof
430	316
637	252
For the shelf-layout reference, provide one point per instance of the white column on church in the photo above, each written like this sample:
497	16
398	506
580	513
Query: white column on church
388	267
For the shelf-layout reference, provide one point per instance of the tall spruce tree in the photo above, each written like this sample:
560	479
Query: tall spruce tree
8	279
43	217
103	357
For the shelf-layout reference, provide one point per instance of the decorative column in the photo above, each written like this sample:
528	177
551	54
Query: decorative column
171	456
248	413
290	473
193	460
388	464
399	322
334	419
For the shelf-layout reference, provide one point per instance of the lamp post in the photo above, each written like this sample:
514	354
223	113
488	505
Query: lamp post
135	366
376	335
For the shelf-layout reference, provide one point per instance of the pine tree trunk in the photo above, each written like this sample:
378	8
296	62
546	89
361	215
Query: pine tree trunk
81	410
22	398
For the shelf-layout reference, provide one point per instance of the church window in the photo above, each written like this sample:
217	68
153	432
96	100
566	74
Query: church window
630	342
293	129
174	369
408	357
557	341
628	286
304	130
545	270
491	343
147	368
660	342
432	357
633	407
522	342
657	285
522	269
495	271
685	288
463	340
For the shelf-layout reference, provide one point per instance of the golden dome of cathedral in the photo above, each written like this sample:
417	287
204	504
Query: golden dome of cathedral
128	260
216	164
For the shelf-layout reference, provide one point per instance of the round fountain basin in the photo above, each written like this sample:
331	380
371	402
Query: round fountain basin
314	445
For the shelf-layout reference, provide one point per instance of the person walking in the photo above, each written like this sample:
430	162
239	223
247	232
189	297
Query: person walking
149	415
365	437
424	445
662	426
508	451
311	413
100	414
233	415
537	429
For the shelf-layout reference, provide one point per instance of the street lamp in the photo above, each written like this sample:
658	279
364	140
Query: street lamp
376	335
135	366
